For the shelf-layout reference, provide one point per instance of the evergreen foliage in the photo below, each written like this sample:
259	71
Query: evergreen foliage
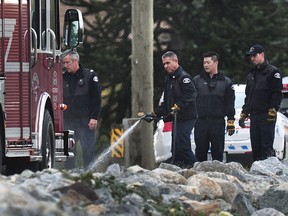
188	27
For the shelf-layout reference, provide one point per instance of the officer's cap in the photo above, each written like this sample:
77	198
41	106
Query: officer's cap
254	50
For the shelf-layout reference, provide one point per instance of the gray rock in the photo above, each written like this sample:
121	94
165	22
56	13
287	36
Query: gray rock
170	167
271	166
275	197
267	212
242	205
113	170
137	191
232	168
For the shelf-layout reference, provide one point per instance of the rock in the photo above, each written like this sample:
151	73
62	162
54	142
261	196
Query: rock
230	190
267	212
113	170
15	201
242	205
206	186
96	209
170	167
199	208
209	188
80	188
271	166
135	169
170	176
275	197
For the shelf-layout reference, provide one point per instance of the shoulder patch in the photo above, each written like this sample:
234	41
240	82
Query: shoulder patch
95	79
277	75
186	80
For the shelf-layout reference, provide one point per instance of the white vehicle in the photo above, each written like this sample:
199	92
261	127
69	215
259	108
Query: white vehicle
238	143
284	102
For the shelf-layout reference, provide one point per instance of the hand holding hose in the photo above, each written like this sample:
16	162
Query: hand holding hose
175	109
242	119
149	117
272	115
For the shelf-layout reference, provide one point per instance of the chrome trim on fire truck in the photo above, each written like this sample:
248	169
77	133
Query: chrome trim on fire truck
39	119
9	25
15	67
16	132
53	43
18	152
59	157
34	42
2	93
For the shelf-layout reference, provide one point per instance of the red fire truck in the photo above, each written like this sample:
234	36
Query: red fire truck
31	111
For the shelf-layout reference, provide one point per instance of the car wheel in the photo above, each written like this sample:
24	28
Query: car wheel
282	154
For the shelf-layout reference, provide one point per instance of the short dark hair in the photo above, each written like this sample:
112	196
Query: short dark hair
215	56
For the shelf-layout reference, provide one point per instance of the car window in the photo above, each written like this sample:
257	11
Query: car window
284	103
239	99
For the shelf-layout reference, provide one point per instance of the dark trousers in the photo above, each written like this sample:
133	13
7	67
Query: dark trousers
209	133
262	135
86	137
184	156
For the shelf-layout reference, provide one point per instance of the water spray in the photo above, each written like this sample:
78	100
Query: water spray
106	153
101	162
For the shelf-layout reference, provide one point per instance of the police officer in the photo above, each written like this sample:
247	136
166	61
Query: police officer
215	100
263	98
179	99
82	95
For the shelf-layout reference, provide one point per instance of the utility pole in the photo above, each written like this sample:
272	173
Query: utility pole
142	80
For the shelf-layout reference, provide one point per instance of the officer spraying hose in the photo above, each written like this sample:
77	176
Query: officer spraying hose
174	132
149	117
178	106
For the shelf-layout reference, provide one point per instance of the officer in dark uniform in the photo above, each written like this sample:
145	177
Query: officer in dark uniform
263	98
82	95
215	100
180	98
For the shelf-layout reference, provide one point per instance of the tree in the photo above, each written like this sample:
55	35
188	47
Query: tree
225	26
188	27
107	49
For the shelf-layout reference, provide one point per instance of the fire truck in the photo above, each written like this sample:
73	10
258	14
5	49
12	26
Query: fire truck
32	134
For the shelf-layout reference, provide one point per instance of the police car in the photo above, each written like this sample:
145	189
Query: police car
237	144
284	102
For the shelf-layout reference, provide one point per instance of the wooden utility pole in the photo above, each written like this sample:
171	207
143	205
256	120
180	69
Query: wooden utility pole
142	80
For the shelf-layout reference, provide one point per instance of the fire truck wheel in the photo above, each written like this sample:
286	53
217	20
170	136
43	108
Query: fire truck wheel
48	142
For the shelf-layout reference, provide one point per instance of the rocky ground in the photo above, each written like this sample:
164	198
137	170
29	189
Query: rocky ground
209	188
